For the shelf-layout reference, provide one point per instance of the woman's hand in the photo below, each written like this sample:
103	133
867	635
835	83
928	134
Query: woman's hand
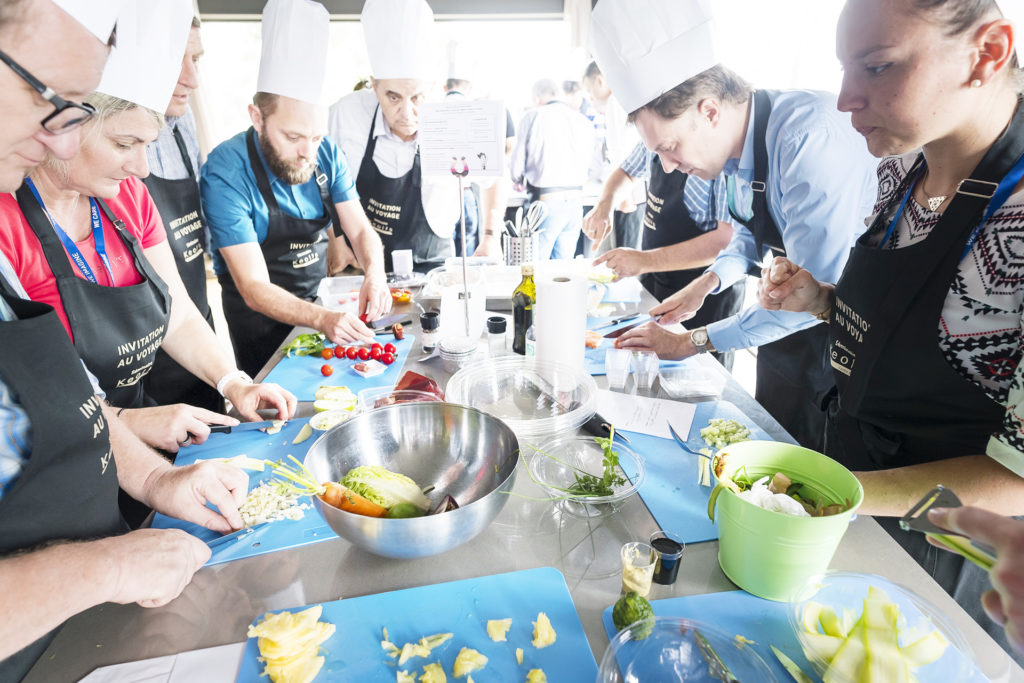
785	286
1005	603
173	426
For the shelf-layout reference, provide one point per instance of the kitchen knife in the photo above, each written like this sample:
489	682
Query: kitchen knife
615	334
234	536
388	321
616	321
245	426
391	328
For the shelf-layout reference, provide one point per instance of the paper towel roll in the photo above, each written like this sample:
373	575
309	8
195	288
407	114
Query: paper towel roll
560	319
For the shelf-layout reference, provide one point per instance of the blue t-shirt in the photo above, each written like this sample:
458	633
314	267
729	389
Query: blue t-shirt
234	208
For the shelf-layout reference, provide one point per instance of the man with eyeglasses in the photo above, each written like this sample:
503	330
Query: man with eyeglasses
63	452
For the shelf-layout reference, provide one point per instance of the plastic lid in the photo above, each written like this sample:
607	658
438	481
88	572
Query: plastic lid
430	321
496	324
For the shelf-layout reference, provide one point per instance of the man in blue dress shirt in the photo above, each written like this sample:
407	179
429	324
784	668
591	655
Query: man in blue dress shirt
272	193
800	182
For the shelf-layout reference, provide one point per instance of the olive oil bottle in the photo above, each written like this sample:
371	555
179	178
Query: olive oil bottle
523	299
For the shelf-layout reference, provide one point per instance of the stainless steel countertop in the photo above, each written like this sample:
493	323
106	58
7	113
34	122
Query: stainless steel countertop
221	601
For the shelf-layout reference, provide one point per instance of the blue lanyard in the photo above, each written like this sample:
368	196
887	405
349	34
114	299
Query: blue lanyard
69	244
999	197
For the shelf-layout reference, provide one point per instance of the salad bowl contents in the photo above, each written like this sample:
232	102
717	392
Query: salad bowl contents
398	468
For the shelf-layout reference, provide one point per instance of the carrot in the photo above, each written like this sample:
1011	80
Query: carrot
345	499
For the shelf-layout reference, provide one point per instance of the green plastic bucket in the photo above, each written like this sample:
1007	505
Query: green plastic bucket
771	554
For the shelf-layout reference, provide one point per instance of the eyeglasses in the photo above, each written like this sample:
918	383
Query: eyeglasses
68	115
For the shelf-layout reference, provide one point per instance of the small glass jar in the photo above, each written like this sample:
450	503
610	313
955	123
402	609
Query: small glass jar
496	325
430	330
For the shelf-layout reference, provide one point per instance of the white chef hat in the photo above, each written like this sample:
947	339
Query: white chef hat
1014	11
398	36
293	61
144	65
647	47
98	17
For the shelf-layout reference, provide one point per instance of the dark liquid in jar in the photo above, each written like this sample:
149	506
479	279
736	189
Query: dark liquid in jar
667	567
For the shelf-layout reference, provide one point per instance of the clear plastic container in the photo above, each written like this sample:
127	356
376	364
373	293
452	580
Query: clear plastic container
692	382
536	399
847	590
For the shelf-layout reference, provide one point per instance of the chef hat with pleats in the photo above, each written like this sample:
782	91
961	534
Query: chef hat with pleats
647	47
293	60
98	17
398	36
144	65
1014	11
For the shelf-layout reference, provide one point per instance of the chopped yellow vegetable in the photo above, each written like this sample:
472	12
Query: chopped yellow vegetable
420	648
543	634
242	462
519	656
497	629
276	426
468	661
289	644
303	434
433	673
741	640
405	677
536	676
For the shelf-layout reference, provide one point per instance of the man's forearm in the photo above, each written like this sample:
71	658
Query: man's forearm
281	305
615	187
977	479
44	588
493	200
369	251
698	252
136	462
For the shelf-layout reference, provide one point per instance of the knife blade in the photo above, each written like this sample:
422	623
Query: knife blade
615	334
245	426
234	536
616	321
716	667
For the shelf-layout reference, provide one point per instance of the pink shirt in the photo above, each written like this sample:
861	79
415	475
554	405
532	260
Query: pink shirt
133	205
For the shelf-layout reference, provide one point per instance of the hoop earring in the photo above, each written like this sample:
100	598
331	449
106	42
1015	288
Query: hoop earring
976	83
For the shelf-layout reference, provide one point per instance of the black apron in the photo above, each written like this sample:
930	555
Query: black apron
68	488
179	205
295	251
793	373
116	330
899	400
395	209
667	221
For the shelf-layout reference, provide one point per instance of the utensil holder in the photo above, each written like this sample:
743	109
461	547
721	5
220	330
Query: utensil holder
518	250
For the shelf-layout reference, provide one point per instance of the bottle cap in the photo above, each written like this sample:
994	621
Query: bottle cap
496	324
430	321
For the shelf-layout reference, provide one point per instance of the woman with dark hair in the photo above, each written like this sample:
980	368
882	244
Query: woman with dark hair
925	321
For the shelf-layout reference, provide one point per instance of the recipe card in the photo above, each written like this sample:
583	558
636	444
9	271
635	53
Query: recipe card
644	414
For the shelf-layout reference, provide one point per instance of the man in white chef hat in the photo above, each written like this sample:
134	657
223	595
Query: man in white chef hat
272	193
56	434
377	129
799	178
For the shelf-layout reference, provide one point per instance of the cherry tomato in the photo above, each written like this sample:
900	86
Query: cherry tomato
401	296
364	318
326	370
376	345
387	358
376	352
339	351
351	353
327	354
364	353
390	348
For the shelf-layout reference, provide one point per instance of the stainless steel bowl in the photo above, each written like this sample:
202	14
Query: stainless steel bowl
458	451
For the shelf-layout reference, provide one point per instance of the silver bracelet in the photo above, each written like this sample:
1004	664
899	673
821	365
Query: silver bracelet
233	375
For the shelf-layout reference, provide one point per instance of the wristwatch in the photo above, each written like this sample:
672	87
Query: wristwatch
699	337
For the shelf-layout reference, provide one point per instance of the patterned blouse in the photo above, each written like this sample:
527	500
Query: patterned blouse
981	322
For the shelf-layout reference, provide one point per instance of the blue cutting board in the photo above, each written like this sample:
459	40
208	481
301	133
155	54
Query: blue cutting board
670	490
301	374
279	535
593	359
764	621
354	653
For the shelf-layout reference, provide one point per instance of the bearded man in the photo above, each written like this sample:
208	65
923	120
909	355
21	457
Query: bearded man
271	193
